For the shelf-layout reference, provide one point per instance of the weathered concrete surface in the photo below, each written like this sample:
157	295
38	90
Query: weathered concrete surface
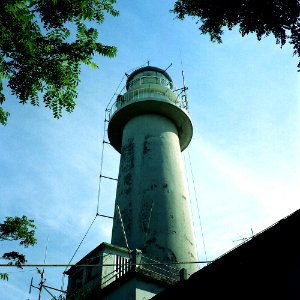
152	194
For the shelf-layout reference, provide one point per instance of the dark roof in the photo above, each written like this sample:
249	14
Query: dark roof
265	267
95	251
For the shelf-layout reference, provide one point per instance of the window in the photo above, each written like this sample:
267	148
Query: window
94	271
77	280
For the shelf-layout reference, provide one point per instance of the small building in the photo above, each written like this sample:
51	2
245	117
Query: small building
108	269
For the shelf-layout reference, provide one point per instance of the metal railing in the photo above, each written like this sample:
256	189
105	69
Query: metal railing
124	264
147	93
162	269
121	267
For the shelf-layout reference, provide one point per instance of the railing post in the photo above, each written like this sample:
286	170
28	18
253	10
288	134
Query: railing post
136	258
183	274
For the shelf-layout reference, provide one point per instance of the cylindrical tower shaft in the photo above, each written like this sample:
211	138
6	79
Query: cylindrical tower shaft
152	208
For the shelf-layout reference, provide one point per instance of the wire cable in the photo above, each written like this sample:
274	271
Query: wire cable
62	287
123	228
111	265
196	198
191	210
101	163
115	93
82	239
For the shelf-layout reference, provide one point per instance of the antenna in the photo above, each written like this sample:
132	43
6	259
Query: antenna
183	92
245	239
42	273
43	280
31	285
184	89
184	96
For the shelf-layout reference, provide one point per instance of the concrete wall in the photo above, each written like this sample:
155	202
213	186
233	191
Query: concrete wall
152	193
134	289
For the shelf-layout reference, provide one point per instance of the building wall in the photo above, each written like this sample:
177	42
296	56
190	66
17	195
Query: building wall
134	289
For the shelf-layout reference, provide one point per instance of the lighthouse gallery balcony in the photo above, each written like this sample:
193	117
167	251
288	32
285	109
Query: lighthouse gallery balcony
149	91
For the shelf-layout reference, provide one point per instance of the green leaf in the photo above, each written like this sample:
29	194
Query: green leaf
18	228
4	276
42	46
3	116
263	18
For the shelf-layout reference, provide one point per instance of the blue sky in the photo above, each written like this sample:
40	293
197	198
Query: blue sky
243	164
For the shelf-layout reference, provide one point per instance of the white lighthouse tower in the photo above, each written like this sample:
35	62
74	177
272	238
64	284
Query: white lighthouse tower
152	244
150	127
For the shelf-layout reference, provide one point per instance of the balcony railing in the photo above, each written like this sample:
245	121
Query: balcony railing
148	93
121	267
154	266
140	261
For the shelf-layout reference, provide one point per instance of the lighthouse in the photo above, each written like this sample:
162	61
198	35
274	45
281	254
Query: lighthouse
152	242
150	127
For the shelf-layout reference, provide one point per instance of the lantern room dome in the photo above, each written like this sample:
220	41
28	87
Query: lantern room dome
149	74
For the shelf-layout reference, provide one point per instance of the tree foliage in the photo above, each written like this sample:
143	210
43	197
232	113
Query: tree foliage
42	46
19	229
262	17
